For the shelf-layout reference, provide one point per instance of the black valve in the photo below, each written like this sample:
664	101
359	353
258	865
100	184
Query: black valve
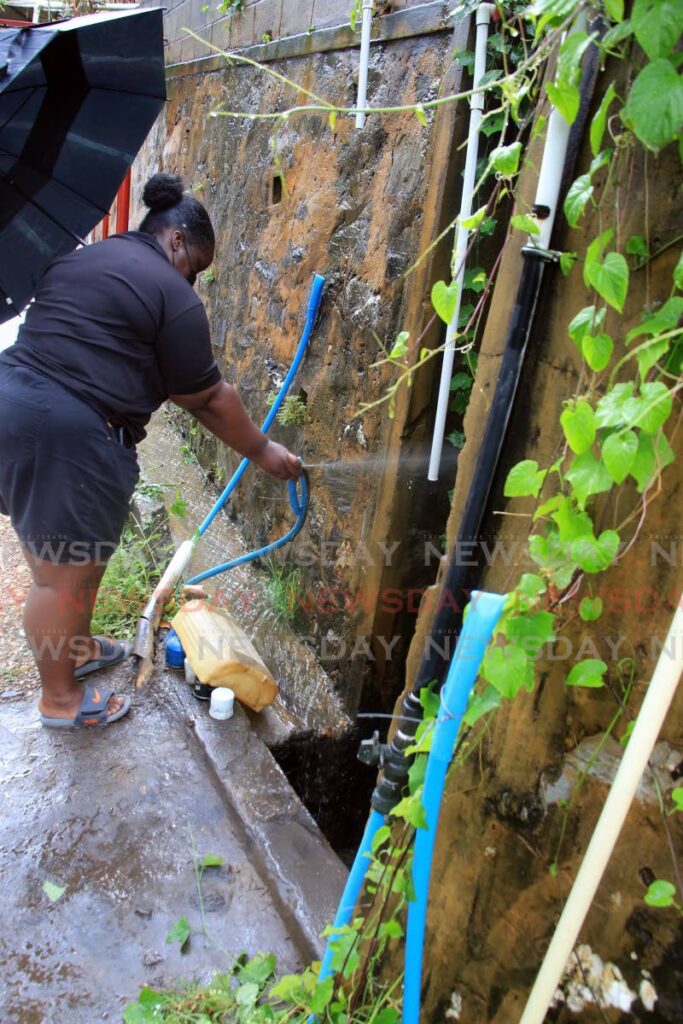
370	751
390	758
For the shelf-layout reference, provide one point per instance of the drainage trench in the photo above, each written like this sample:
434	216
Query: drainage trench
332	783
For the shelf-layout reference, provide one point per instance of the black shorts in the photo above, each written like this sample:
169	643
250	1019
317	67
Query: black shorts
65	480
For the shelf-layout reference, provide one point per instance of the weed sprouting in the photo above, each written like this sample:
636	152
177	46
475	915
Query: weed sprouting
153	492
189	455
292	413
178	508
282	586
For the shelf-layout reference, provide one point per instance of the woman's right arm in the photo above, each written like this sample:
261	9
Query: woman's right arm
220	409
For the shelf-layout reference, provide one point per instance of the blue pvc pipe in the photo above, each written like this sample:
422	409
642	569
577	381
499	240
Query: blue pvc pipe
299	507
354	884
311	314
477	631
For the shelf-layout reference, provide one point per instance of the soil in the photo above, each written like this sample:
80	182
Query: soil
18	675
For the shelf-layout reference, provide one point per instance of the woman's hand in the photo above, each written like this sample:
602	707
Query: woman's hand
278	461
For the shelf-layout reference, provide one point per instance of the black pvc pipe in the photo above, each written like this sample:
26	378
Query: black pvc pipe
454	593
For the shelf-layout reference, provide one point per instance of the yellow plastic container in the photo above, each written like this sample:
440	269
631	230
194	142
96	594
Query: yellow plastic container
221	654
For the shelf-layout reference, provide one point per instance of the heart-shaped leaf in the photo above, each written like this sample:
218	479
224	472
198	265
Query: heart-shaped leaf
587	673
654	108
507	669
523	480
590	609
595	554
658	25
505	159
444	299
597	350
565	98
179	932
524	223
578	195
650	460
654	406
660	893
610	279
481	703
618	452
587	476
578	424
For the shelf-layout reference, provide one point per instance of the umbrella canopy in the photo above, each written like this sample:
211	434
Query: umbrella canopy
77	99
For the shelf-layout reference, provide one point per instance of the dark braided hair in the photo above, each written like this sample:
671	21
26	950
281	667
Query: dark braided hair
170	206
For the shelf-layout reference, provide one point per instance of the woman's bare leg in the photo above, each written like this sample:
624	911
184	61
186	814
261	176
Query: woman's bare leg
57	618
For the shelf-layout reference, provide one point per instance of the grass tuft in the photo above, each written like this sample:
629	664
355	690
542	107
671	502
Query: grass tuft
133	572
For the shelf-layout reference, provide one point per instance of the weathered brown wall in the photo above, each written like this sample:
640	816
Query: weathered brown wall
358	207
493	900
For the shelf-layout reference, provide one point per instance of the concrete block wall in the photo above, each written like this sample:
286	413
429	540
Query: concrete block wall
256	21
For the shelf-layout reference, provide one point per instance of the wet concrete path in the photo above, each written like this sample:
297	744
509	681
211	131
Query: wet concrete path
108	816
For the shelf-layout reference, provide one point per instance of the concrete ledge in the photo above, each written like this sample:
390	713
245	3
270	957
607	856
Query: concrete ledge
303	873
414	21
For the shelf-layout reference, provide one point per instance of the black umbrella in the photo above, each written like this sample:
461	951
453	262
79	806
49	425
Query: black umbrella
77	99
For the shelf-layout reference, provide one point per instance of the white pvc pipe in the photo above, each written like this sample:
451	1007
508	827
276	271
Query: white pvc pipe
363	63
550	177
659	695
176	567
483	17
552	164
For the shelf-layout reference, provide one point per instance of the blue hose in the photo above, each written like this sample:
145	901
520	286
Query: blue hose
479	625
311	314
299	506
349	898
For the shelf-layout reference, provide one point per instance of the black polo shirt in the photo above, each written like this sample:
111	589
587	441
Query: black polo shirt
120	327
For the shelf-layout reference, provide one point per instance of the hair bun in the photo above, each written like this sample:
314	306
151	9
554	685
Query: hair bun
162	191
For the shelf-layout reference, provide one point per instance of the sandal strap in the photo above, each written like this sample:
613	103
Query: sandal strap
93	709
108	648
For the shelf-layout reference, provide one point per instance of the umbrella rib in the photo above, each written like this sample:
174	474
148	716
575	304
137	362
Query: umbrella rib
67	188
30	94
128	92
42	209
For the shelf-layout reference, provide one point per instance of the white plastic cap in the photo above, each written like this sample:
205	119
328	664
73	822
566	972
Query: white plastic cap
222	703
